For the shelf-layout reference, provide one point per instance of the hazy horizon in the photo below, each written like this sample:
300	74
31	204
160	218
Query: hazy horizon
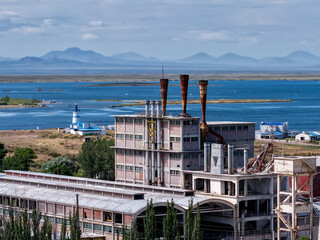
163	29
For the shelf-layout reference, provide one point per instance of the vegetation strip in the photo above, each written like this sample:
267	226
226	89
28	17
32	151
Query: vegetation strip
197	101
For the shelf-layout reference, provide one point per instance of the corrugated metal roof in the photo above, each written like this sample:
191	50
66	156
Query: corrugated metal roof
272	123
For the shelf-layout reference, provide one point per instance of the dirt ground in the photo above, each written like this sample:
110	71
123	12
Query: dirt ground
47	144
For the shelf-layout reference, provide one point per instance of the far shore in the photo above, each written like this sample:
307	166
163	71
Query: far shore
197	101
156	77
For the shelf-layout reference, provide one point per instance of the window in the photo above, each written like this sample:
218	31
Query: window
190	122
107	216
118	217
120	167
175	155
59	220
194	139
97	227
232	128
138	137
217	129
50	219
129	120
245	127
174	122
190	155
118	135
174	139
129	152
138	120
186	139
239	127
120	151
129	168
119	120
139	153
87	225
225	128
175	172
139	169
129	136
107	229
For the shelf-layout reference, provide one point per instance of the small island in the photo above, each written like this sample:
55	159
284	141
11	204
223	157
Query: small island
7	102
196	101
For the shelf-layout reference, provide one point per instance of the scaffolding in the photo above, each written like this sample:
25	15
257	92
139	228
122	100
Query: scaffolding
297	201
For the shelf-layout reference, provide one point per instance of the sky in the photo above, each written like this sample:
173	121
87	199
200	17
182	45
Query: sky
166	29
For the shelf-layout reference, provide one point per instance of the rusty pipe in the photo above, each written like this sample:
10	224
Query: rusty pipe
164	92
184	79
203	85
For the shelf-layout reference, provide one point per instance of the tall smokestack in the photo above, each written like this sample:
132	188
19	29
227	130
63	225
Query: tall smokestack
203	85
164	92
184	79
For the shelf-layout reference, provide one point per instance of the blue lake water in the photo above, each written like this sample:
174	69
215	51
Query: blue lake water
302	114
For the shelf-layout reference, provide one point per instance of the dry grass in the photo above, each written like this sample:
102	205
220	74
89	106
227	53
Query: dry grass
47	144
290	148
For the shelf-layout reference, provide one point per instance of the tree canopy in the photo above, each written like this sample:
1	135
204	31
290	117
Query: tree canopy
96	159
21	159
64	164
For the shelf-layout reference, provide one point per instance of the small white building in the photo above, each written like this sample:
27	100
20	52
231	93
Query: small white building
275	130
308	136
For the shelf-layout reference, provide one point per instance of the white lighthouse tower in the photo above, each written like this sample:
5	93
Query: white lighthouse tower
75	114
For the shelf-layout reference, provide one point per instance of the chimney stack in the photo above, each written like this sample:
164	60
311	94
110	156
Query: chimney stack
203	85
164	93
184	79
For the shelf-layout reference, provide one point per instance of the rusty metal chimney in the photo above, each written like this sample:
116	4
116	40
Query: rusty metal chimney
164	92
203	85
184	79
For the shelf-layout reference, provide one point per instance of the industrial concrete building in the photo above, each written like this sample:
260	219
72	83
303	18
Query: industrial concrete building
162	157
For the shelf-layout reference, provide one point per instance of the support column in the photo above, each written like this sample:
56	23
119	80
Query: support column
278	206
245	161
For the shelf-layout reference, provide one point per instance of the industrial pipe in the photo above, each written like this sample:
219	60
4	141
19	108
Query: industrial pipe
184	79
203	84
206	156
230	159
245	161
158	103
164	92
147	107
152	103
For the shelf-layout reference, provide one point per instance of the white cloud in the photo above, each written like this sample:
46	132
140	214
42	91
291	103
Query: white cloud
96	24
214	36
89	36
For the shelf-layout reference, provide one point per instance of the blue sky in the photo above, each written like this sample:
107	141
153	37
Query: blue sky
167	29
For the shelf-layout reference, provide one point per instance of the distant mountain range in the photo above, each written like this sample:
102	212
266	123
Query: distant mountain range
76	61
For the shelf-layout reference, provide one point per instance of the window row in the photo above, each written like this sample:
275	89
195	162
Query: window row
129	136
130	152
129	168
174	122
175	172
129	120
190	155
174	139
191	122
190	139
229	128
175	155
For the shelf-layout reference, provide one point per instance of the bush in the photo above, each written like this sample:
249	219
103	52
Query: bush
65	165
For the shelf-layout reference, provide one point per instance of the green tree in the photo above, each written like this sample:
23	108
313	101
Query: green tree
189	222
63	235
35	224
197	233
3	153
64	164
5	99
75	231
170	223
21	160
150	222
46	230
96	159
